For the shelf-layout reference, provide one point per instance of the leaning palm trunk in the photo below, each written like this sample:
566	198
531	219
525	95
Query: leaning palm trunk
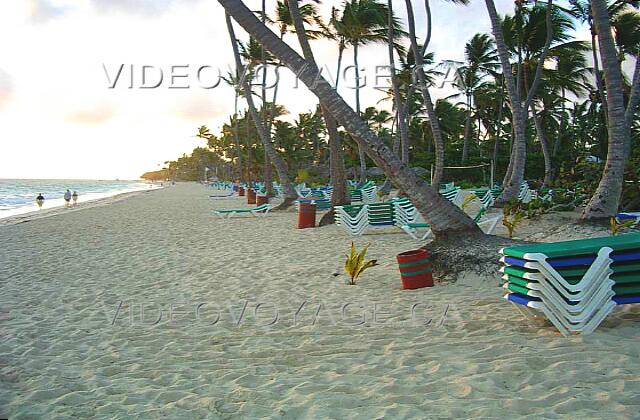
544	145
445	218
428	103
606	199
290	194
336	156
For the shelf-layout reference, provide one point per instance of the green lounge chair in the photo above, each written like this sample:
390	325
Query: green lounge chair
261	210
576	284
412	228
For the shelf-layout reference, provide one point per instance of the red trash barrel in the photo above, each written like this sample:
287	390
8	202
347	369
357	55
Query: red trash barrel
240	191
306	215
262	199
415	269
251	196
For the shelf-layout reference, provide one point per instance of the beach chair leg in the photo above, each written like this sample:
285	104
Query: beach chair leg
427	234
528	313
492	225
409	231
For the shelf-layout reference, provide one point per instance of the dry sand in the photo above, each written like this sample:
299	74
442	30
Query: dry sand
74	344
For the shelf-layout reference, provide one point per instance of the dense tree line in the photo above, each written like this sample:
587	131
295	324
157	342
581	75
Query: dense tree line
542	105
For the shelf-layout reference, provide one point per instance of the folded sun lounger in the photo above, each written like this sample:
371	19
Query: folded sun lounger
575	284
230	194
261	210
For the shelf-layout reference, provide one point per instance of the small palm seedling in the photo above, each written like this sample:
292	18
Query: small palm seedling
512	216
617	228
355	265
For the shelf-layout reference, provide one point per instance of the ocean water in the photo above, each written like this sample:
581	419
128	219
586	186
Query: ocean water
17	196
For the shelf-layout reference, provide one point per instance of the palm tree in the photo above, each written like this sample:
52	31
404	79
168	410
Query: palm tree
233	80
445	218
519	108
308	14
481	61
531	25
605	201
336	154
571	75
399	106
362	22
418	55
290	194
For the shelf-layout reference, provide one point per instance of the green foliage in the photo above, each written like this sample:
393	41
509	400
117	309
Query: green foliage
631	191
303	176
535	208
582	176
617	228
512	216
355	265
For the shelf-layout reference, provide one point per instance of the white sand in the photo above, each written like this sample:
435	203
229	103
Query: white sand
64	353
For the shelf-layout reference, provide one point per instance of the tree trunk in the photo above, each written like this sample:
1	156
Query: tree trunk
496	145
606	199
361	155
544	145
267	114
236	133
249	177
428	103
290	194
401	118
596	71
518	109
507	175
445	218
336	157
632	105
467	132
268	176
340	55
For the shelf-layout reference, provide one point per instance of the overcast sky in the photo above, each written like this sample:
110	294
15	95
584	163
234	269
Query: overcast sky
59	117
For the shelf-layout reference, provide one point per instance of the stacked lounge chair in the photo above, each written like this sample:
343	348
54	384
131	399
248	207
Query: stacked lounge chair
453	194
622	217
366	194
358	218
575	284
226	195
261	210
413	229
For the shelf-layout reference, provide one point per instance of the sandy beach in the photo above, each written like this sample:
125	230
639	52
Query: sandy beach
153	307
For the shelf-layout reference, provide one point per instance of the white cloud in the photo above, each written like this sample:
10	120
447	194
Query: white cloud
140	7
56	106
41	11
6	88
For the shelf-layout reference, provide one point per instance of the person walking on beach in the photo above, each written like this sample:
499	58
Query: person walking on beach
67	198
75	198
40	200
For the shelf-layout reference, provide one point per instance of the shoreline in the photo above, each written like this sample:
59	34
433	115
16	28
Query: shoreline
54	211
